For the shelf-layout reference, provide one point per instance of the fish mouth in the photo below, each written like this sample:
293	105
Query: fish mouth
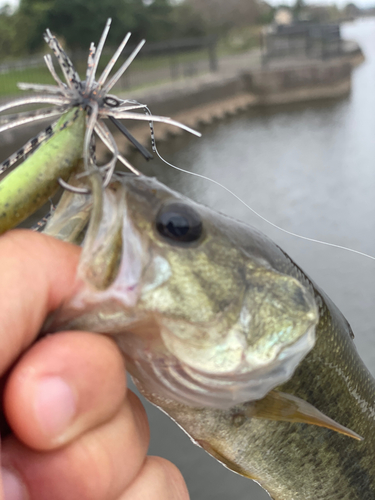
170	378
251	359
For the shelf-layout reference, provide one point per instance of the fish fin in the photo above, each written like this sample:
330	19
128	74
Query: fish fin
224	460
288	408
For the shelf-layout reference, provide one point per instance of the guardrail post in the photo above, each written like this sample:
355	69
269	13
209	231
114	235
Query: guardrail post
212	56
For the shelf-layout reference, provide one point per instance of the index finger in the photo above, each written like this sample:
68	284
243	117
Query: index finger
37	273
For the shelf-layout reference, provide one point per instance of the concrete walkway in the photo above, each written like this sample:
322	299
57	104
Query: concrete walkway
240	82
228	67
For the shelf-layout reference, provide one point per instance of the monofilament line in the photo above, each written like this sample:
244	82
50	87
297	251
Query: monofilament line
204	177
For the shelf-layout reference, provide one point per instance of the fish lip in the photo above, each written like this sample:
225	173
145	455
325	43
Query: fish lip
249	380
176	380
123	292
171	376
127	283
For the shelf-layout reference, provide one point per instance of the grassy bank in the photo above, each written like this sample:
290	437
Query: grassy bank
141	71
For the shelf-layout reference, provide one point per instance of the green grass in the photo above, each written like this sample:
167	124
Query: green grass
142	64
8	81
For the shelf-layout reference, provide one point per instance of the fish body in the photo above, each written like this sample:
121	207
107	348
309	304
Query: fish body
228	336
298	461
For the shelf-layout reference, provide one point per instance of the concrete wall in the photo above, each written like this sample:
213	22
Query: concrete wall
283	82
192	93
213	96
270	84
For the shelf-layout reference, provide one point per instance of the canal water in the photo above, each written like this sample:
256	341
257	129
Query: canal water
311	170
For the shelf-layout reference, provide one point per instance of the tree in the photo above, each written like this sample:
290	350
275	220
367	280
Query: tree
78	22
30	19
187	22
222	15
14	33
156	22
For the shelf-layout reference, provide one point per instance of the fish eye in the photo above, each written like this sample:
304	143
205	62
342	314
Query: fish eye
179	223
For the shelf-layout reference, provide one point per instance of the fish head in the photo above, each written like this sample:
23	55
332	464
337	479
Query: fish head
194	300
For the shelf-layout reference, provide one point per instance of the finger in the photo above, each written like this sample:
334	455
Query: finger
98	466
37	273
158	479
64	385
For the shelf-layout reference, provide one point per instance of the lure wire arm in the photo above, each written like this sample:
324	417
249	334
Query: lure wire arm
144	152
73	189
25	119
102	136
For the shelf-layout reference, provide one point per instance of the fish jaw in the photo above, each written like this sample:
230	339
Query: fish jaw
109	271
232	372
204	324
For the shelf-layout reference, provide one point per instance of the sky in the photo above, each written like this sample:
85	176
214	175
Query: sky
340	3
13	3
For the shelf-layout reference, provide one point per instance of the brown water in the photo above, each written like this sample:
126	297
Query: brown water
311	170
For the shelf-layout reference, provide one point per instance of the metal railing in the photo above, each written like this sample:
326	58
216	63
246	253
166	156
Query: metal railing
157	62
302	40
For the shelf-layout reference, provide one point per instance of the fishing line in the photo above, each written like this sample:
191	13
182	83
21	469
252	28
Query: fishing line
204	177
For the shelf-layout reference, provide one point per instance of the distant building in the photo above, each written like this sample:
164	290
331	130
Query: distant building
283	16
302	40
352	11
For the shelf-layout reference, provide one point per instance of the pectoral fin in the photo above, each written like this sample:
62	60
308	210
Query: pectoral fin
212	450
287	408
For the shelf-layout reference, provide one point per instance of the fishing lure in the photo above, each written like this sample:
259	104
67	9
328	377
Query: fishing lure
82	105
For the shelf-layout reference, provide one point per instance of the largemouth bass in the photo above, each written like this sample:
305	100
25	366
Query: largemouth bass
228	336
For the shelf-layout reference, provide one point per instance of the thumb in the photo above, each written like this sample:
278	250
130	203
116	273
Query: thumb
37	273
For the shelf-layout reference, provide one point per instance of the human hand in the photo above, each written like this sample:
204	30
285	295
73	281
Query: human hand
77	432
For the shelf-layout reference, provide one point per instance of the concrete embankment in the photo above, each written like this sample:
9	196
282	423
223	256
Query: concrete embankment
241	82
206	98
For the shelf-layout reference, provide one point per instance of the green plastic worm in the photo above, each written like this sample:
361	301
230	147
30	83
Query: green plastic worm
30	185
